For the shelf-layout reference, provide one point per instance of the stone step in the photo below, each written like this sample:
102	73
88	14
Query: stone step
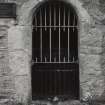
71	102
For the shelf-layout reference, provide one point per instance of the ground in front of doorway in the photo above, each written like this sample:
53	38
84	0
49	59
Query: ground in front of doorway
68	102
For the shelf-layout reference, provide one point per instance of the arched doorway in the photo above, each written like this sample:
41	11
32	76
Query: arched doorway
55	69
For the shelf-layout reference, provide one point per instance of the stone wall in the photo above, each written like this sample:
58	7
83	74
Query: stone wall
92	53
15	50
6	86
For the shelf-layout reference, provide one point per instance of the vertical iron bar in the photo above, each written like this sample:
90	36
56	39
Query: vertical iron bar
50	44
45	19
41	35
54	18
74	23
68	36
73	59
59	76
64	60
36	59
45	59
54	59
59	36
50	49
35	23
50	34
64	20
74	35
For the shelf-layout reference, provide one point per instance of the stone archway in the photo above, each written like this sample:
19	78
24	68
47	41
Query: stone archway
20	46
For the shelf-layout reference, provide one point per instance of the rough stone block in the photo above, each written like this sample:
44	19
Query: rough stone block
19	63
90	64
15	33
91	50
22	88
92	38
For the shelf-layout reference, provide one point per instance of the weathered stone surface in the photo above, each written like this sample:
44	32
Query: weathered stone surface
92	38
3	32
22	88
92	77
6	22
6	87
91	50
96	8
15	33
3	53
19	62
102	6
90	62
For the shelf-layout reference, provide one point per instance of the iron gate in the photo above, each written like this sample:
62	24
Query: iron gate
55	69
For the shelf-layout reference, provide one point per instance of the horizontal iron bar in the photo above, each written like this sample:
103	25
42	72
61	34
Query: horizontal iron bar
54	62
53	26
